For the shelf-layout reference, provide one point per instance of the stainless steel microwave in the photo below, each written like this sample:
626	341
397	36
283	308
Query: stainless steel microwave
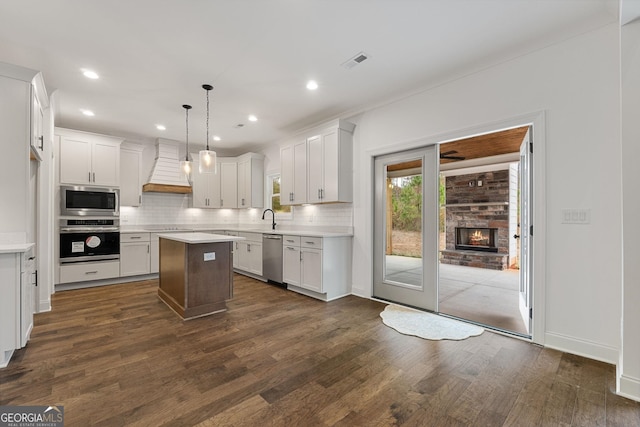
89	201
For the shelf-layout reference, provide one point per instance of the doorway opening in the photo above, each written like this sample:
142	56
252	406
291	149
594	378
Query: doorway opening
483	201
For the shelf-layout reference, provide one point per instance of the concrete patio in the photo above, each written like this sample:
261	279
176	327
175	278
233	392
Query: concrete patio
489	297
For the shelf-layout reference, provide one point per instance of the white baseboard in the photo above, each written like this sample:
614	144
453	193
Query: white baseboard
44	306
629	387
359	292
580	347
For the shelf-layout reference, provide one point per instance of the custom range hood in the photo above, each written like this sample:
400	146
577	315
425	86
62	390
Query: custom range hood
166	176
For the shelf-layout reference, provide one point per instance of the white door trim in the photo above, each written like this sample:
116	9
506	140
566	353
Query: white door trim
537	119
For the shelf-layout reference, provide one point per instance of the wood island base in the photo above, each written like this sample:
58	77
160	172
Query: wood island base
196	274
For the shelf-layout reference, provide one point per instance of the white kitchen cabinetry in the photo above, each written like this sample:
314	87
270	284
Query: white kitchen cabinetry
22	99
135	254
17	305
206	188
291	260
330	166
86	271
317	267
37	120
89	159
251	180
249	253
130	182
293	174
236	248
228	170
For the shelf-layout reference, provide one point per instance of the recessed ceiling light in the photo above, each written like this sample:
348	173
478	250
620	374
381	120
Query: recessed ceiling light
88	113
252	118
90	74
161	127
312	85
216	138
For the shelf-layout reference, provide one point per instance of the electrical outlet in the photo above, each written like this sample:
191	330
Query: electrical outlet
209	256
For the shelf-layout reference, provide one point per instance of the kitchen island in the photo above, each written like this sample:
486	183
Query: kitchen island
196	272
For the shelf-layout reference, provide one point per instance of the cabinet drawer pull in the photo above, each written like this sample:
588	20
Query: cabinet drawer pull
310	243
135	237
91	272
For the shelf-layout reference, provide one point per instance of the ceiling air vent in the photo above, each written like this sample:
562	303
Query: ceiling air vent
357	59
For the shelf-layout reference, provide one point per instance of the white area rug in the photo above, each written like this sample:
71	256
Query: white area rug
427	325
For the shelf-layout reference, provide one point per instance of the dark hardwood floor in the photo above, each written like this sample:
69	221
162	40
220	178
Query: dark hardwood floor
116	355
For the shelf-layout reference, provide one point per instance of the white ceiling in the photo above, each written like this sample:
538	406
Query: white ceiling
154	55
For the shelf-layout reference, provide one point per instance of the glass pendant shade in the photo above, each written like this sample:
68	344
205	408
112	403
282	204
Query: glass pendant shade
185	168
208	159
208	162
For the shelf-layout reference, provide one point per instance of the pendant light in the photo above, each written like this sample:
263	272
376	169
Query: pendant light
185	165
208	160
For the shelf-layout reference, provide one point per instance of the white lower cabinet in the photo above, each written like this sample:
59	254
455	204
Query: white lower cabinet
85	271
317	267
235	250
291	261
249	253
135	254
17	305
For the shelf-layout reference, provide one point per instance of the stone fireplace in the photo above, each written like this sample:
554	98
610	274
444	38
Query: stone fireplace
478	210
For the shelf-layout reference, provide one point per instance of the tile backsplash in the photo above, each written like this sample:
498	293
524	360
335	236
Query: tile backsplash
167	208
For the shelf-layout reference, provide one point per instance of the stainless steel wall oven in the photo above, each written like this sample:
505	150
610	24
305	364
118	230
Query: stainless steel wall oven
83	240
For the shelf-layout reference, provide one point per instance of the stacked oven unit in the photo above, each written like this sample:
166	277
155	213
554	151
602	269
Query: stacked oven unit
89	225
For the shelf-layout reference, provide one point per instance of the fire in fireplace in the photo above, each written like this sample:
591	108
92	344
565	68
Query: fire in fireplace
477	239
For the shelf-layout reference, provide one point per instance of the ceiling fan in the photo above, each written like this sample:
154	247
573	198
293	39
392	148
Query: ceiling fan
448	155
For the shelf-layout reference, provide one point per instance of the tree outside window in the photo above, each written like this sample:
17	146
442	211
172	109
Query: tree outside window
274	196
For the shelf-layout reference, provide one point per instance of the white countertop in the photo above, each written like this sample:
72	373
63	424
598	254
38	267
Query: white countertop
9	248
178	229
194	238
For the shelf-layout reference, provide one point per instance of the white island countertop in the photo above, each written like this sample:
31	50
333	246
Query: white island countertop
195	238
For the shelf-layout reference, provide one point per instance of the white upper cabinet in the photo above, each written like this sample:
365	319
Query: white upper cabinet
20	90
89	159
206	188
37	123
320	168
293	174
330	175
130	182
238	183
251	181
228	170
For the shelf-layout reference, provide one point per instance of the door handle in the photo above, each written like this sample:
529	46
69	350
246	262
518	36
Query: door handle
516	236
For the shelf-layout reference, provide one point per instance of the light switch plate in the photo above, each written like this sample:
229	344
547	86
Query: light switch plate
209	256
576	216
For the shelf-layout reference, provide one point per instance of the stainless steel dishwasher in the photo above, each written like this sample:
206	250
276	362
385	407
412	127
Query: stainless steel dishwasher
272	257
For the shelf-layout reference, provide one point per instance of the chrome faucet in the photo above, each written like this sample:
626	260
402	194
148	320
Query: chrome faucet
273	218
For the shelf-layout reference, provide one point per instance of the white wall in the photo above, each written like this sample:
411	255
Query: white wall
575	84
629	368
